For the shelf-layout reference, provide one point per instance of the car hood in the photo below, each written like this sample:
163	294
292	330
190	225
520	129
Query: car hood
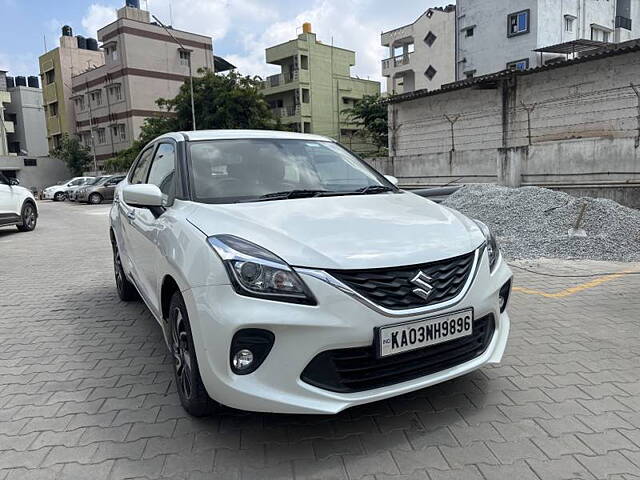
346	232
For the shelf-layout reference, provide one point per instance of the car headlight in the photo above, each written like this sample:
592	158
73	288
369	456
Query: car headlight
256	272
492	244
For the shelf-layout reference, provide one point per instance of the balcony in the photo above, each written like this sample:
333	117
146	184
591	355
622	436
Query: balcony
280	79
49	93
9	127
284	112
395	62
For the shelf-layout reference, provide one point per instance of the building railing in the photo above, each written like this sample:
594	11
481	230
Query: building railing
280	79
289	111
397	61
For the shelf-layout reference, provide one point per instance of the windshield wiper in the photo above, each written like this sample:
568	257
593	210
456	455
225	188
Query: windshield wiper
291	194
371	189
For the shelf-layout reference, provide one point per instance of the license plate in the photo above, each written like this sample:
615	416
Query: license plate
408	336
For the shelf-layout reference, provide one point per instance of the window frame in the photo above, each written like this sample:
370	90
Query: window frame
136	164
517	15
170	198
569	22
514	64
426	73
430	39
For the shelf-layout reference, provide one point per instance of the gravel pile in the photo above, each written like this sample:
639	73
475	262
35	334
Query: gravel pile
533	222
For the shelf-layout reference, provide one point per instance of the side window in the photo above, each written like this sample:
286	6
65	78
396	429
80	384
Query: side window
163	168
75	183
3	179
139	173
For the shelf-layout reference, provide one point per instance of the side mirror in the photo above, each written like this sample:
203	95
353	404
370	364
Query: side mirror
14	181
144	195
392	179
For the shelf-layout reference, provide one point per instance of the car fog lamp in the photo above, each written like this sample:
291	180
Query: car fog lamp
503	296
242	359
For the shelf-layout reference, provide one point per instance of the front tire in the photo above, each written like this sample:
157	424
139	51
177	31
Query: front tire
29	218
59	197
191	390
95	198
126	290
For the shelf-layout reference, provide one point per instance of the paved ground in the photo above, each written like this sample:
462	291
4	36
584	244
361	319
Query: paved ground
86	388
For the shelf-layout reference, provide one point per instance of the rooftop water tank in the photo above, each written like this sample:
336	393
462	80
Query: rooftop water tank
92	44
21	82
82	42
33	81
67	31
133	3
306	27
10	82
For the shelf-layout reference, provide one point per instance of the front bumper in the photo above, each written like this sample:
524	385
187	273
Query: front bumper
301	332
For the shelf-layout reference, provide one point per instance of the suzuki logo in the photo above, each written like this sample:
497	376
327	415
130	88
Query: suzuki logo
422	280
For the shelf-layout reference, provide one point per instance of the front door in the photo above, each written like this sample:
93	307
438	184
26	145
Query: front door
9	208
145	225
126	216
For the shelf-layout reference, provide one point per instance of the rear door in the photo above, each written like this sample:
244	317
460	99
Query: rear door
145	225
110	186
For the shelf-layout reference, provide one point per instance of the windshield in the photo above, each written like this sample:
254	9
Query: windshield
245	170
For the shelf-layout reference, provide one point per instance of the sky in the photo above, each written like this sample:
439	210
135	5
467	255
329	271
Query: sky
241	29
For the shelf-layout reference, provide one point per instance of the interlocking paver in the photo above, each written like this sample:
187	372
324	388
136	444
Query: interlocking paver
86	388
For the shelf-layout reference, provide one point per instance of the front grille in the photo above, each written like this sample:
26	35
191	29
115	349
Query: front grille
357	369
392	287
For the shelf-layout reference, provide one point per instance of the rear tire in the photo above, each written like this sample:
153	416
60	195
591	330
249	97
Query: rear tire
29	218
126	290
193	395
95	199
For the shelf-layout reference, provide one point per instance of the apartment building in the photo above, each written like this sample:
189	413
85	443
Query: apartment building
421	54
143	63
494	35
28	133
75	54
314	88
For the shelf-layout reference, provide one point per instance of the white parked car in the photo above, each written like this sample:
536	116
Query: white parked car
17	205
58	192
289	276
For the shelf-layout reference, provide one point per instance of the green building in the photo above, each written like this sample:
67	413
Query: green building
314	88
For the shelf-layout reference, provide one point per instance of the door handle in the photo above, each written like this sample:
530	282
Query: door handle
131	215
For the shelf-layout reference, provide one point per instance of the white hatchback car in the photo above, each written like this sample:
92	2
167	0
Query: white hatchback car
289	276
58	193
17	205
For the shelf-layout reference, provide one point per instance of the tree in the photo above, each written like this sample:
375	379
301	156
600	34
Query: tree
76	156
370	114
222	101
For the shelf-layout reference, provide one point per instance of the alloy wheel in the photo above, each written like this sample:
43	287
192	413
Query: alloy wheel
29	217
117	267
182	354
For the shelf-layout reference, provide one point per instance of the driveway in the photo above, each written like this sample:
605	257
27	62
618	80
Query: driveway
86	388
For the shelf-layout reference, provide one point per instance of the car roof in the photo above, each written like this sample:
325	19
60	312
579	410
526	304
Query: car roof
200	135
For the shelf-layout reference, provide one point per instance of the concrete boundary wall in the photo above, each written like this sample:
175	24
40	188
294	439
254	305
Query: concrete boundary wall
574	128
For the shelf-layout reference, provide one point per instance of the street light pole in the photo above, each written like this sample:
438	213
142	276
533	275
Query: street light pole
193	108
